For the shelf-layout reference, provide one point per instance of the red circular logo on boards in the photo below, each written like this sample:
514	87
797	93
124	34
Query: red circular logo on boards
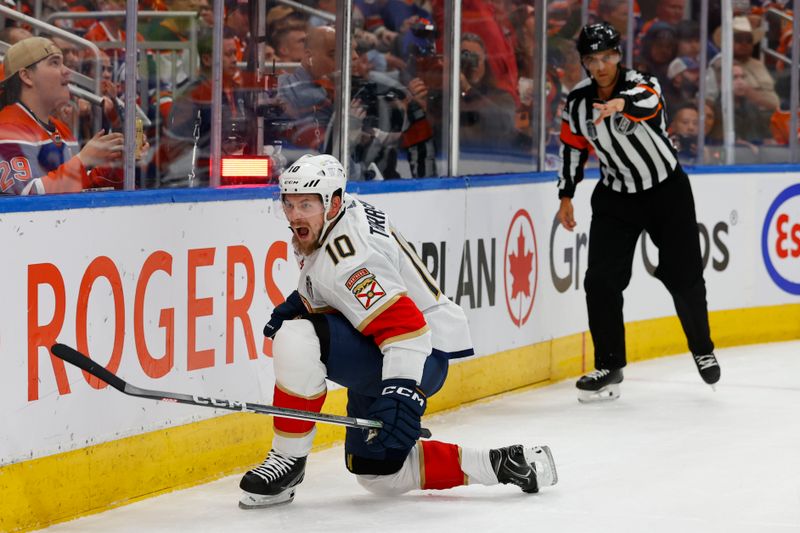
520	268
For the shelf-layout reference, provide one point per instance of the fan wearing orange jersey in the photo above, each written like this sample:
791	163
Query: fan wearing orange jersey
38	154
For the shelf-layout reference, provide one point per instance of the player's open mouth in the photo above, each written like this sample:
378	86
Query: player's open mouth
301	232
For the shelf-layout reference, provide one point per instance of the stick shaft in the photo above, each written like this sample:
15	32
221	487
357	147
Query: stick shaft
80	360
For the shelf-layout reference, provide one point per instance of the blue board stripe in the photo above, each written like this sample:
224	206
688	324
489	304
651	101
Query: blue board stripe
17	204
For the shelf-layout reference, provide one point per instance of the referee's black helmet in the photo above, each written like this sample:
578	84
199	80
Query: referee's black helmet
598	37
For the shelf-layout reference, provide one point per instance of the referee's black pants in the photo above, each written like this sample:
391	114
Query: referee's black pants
667	213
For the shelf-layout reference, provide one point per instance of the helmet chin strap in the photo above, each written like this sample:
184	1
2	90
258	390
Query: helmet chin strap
328	223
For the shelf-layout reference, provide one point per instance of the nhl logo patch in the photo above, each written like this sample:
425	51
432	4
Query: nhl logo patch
309	287
368	291
624	125
591	130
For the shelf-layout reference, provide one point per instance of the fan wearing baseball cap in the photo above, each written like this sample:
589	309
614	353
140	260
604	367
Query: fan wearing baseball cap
38	153
684	78
761	83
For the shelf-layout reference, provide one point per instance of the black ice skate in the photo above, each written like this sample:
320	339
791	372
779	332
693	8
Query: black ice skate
708	367
272	482
599	386
527	467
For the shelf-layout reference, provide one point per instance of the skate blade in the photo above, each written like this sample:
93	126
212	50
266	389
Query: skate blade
606	394
547	476
260	501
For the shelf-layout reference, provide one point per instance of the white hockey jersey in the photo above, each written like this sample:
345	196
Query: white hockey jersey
366	271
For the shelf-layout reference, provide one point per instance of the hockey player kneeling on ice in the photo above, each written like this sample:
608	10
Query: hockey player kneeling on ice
368	316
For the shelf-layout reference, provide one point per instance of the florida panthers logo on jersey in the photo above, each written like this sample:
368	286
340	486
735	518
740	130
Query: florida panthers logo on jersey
365	287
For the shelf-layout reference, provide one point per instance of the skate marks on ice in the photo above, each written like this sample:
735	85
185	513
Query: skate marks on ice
670	455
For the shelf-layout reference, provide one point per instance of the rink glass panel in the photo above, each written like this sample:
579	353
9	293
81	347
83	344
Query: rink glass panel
398	69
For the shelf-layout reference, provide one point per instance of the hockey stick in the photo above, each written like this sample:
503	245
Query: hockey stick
78	359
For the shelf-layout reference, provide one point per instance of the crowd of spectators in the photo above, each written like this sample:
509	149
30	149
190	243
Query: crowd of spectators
396	112
668	45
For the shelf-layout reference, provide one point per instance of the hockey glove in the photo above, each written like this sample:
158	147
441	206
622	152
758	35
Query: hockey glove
291	308
399	407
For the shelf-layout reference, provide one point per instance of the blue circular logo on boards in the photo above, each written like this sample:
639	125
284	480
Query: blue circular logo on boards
780	240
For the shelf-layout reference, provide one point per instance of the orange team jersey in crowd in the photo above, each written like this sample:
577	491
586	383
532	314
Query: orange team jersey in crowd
779	124
478	18
201	95
240	47
154	5
80	24
38	158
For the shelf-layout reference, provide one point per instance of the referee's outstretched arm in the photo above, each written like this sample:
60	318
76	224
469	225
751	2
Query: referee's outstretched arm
643	101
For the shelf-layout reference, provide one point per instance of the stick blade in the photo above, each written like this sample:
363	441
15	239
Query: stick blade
74	357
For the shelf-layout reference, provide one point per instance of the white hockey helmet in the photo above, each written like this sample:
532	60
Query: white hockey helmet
314	174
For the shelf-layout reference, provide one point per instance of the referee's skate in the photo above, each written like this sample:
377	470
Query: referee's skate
599	385
709	369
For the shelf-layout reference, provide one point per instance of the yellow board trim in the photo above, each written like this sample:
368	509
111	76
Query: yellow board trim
60	487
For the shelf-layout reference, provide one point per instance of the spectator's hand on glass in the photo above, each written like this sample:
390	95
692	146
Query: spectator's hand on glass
385	37
357	108
108	88
740	86
108	105
419	92
84	108
750	92
142	152
410	21
102	150
366	40
358	112
525	90
358	133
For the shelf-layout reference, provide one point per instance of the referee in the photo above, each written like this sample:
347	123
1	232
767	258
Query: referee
620	114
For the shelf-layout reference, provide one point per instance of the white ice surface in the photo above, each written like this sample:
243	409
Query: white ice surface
670	455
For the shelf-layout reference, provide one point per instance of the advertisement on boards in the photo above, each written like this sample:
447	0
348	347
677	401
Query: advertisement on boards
780	239
167	298
175	297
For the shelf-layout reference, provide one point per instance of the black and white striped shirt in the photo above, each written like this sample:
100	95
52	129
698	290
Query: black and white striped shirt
634	150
